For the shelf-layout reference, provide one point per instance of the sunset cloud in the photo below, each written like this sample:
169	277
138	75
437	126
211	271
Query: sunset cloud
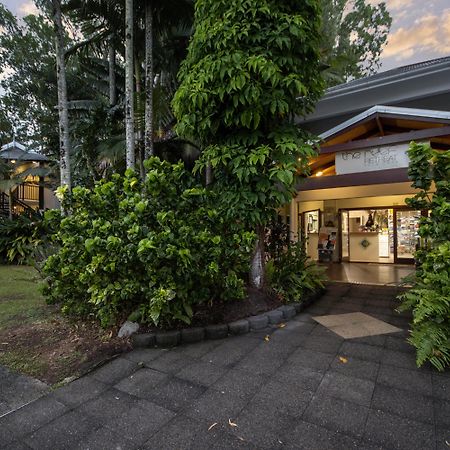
27	8
429	34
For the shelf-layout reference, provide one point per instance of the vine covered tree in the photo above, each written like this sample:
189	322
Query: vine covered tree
354	33
251	68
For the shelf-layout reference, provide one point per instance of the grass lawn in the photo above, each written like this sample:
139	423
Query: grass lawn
37	340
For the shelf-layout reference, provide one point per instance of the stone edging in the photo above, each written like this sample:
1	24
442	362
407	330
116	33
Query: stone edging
173	338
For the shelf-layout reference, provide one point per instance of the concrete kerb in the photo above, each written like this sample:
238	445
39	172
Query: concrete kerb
259	322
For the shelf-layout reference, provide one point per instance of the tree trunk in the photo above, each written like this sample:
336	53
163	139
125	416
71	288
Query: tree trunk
112	72
63	109
149	79
129	84
257	266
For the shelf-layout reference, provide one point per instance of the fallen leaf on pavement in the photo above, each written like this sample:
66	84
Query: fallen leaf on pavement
281	325
232	424
343	360
267	338
212	426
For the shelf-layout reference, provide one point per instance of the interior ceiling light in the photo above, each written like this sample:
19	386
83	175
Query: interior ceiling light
13	161
319	173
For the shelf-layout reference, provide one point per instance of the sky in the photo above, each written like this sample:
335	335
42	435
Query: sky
420	29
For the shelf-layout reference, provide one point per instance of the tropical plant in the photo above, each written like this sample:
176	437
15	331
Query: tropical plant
293	275
19	238
251	68
154	249
429	298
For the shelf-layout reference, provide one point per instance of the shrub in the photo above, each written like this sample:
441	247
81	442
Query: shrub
153	249
19	238
293	274
429	298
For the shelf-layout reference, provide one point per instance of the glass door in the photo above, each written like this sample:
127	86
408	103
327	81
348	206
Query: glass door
345	247
311	226
406	235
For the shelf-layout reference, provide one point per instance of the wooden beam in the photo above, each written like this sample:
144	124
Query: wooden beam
386	140
380	125
354	179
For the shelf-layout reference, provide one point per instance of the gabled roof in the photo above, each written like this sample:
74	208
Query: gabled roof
380	111
16	151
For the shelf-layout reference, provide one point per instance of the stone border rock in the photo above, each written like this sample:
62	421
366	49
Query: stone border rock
259	322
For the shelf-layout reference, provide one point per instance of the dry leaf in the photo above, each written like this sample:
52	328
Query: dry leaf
281	325
212	426
267	338
343	360
232	424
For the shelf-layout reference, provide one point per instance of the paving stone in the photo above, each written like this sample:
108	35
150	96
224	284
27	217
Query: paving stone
442	413
361	351
167	338
184	433
17	446
411	380
275	316
143	340
347	388
216	331
144	355
240	383
63	433
263	360
197	349
399	359
109	405
216	406
189	335
114	371
80	391
304	317
441	386
354	367
376	341
229	351
141	382
309	358
394	432
104	438
170	362
403	403
258	322
323	344
239	327
337	415
6	435
283	398
175	393
204	373
32	416
296	376
307	436
442	439
140	422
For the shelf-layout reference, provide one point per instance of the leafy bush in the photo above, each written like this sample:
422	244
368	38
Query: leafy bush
153	249
19	238
429	299
293	274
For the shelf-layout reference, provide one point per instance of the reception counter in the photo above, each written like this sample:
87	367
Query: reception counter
365	246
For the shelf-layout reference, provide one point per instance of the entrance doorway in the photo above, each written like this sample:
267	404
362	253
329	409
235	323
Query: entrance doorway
378	235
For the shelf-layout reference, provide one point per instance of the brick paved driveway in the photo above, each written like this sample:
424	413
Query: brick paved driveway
304	388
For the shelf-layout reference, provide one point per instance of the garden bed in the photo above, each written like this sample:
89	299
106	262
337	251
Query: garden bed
35	339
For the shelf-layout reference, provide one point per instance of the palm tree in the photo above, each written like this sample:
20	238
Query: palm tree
63	108
129	83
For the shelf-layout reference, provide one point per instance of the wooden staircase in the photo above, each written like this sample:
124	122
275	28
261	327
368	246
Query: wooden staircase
18	206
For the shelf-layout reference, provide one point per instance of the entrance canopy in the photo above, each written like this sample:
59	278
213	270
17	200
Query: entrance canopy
370	148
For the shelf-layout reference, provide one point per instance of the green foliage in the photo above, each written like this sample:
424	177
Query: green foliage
19	238
429	299
153	249
293	275
251	68
353	36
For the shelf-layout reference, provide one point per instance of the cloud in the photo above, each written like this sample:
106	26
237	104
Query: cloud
393	5
27	8
429	34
